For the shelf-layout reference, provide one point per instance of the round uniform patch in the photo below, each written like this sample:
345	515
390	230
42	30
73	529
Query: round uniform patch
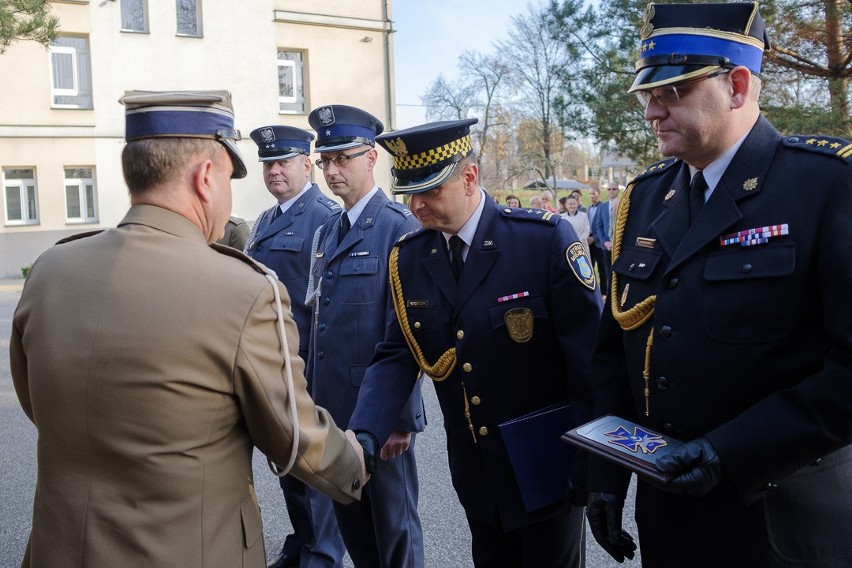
581	264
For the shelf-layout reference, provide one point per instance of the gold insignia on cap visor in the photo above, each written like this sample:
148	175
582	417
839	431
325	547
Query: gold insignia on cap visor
462	146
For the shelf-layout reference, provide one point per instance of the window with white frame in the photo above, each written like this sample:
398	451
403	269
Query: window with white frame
188	17
134	16
291	82
19	191
70	72
80	196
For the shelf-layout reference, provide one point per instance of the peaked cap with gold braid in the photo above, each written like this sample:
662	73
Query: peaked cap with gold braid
425	156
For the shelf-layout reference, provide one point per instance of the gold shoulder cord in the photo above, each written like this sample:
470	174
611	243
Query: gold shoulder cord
636	316
443	367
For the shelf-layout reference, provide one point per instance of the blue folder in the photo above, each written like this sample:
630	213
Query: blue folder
541	461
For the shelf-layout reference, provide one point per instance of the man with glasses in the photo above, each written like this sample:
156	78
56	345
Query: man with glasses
349	295
729	325
281	239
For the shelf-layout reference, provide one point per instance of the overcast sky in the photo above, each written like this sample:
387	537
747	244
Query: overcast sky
432	34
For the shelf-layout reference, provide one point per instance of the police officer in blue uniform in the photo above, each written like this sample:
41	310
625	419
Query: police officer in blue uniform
729	324
499	306
281	239
349	293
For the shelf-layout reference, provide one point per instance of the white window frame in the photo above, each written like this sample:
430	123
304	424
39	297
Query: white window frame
198	20
298	70
82	183
77	63
24	186
64	50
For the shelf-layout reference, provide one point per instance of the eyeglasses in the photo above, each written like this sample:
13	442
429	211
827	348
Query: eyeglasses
670	94
339	160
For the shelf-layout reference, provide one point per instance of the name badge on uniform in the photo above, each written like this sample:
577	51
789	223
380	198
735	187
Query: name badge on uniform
417	304
519	323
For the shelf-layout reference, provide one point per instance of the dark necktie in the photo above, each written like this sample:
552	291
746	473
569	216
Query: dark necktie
344	227
697	187
456	258
276	213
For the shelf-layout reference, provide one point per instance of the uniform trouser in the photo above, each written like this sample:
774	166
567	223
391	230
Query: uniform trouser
558	542
315	541
383	529
601	258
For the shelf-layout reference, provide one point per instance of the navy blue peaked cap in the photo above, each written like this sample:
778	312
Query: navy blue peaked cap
340	127
681	42
278	142
183	114
425	156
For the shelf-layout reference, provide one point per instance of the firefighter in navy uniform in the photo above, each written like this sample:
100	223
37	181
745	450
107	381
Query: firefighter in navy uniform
499	306
728	324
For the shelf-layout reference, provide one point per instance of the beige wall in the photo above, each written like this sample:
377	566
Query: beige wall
237	52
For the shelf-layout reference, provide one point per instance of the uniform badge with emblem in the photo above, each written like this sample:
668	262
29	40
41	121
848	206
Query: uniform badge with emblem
519	323
580	264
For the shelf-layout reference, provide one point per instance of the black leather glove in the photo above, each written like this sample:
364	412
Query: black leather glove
371	450
604	513
696	468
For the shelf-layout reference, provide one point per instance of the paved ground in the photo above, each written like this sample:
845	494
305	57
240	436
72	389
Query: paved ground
447	540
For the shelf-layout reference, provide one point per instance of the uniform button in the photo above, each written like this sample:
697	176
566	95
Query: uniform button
321	355
674	283
771	485
467	367
417	325
746	268
460	334
816	461
322	327
329	274
327	301
483	431
475	400
356	485
665	332
632	267
668	427
662	383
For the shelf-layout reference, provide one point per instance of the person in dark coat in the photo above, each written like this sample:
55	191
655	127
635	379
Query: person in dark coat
349	293
504	329
728	325
281	239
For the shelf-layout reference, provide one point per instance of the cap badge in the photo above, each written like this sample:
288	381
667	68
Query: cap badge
647	26
267	135
326	115
396	147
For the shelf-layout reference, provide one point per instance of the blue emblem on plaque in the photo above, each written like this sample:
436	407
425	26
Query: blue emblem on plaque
638	440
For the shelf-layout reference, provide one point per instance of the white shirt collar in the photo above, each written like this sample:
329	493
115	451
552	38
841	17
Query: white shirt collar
468	230
716	169
358	208
289	203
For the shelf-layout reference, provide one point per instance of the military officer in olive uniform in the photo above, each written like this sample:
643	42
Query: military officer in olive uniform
503	327
281	239
349	293
152	362
728	324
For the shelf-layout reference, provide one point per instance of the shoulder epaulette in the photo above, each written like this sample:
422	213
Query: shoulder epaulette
331	204
79	236
530	214
655	169
410	235
826	145
400	208
232	252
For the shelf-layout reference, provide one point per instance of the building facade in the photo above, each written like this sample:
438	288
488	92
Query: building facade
62	128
